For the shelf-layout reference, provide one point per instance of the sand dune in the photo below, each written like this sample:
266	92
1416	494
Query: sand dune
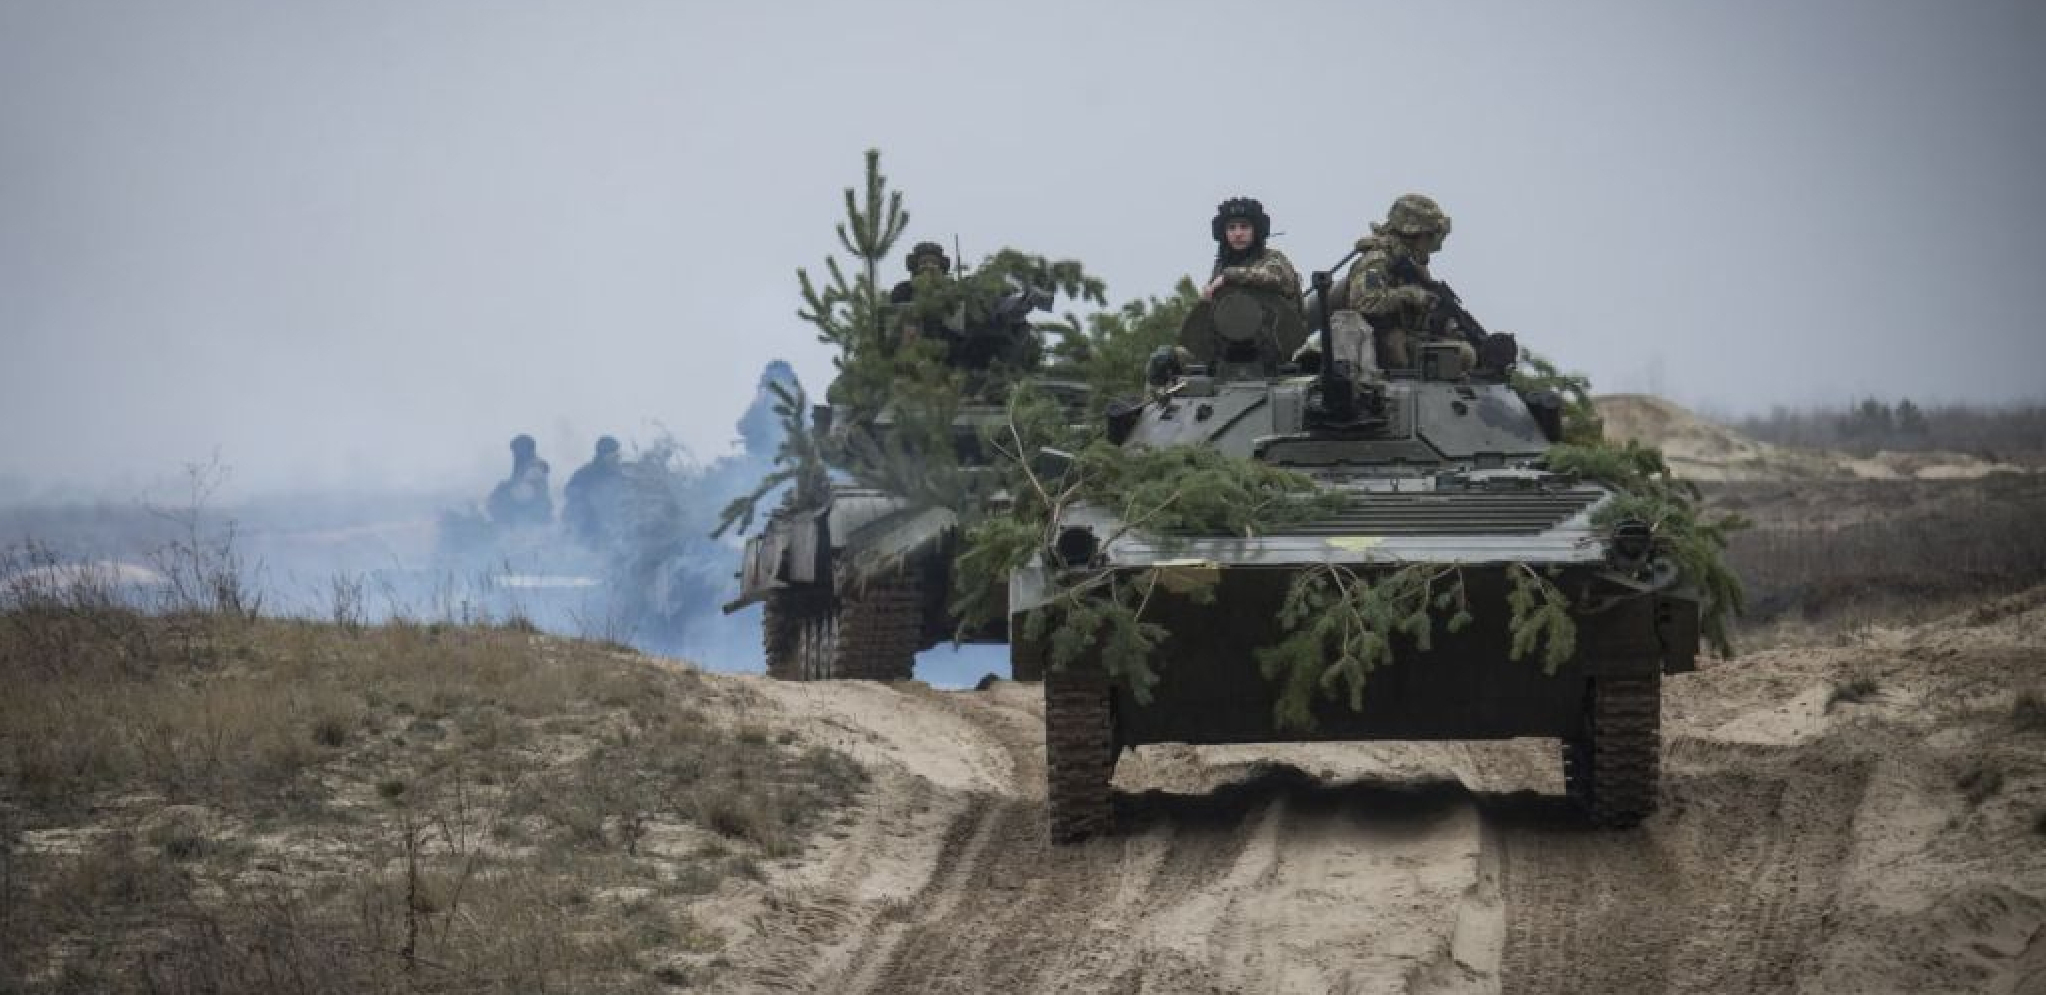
1701	450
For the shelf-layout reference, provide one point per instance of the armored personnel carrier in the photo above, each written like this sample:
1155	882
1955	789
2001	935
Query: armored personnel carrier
1438	464
856	581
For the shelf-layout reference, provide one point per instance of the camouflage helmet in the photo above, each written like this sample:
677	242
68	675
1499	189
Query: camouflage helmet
606	445
523	445
1244	209
925	250
1416	214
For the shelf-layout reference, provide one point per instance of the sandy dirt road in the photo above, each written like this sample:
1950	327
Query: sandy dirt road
1798	848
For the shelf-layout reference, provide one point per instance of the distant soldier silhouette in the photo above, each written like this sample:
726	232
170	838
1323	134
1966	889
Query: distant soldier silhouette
522	500
595	494
760	428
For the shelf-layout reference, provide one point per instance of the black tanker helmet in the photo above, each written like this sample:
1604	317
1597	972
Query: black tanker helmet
1243	208
924	250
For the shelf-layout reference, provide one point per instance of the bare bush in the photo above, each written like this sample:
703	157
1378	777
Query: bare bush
347	600
202	565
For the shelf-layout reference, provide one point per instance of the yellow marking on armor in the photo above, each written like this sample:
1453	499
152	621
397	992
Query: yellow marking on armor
1355	544
1188	576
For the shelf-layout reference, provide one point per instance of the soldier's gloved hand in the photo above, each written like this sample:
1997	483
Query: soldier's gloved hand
1165	364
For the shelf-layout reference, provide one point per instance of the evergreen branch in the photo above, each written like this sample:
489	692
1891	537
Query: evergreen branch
1541	618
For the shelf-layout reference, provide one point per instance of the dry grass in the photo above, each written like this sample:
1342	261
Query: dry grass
1850	552
286	806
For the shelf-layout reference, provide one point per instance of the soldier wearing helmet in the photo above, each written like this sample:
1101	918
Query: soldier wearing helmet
1384	284
1240	228
927	261
983	332
929	268
522	499
760	428
595	494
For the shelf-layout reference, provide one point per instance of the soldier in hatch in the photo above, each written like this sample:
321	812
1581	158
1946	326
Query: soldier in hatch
984	329
1388	285
927	261
1242	259
591	500
929	269
522	499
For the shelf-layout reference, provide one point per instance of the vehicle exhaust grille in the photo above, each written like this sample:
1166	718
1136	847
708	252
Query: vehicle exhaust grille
1448	513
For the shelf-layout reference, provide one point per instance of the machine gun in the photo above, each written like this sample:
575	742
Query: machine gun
1016	305
1447	304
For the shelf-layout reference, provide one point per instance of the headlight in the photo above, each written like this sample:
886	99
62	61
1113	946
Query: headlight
1075	547
1633	540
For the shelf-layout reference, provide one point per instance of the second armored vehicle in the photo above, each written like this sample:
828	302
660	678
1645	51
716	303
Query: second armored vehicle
856	580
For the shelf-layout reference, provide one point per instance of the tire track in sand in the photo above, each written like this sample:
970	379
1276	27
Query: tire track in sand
1721	892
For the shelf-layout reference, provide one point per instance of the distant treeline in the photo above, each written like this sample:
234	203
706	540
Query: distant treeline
1875	423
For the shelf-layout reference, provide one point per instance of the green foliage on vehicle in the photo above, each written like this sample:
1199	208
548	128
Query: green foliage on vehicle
1341	623
1676	517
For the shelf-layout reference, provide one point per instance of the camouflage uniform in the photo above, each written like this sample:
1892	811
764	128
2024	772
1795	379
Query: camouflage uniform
1398	308
1271	270
1259	266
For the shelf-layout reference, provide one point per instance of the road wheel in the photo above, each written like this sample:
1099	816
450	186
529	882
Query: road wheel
1079	755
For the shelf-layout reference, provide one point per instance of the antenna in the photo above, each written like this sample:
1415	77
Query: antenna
958	254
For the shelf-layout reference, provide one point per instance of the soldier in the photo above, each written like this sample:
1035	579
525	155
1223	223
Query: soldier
522	499
760	429
927	261
929	269
938	310
1386	284
1240	228
590	501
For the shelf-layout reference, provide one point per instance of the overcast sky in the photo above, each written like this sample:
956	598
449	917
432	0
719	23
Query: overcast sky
365	242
